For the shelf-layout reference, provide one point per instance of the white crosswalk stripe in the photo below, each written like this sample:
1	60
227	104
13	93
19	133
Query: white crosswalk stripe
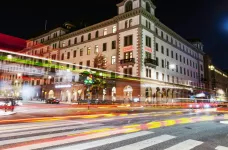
105	141
186	145
146	143
221	148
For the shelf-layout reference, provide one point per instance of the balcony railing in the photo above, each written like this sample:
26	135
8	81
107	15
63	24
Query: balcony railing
150	62
127	61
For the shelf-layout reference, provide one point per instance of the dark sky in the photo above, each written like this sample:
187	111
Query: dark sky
204	19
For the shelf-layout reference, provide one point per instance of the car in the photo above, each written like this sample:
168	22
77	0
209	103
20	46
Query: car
52	101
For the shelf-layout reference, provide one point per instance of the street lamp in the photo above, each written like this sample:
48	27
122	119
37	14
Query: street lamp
9	56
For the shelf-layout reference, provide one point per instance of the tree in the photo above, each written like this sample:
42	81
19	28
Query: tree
100	61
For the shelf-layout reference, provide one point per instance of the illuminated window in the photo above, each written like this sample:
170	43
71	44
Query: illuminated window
96	49
88	50
114	29
113	60
105	32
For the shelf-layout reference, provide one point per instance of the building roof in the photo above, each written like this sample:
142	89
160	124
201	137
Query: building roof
11	43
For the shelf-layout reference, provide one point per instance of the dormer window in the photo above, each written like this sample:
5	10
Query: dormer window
105	32
82	38
126	24
130	22
128	6
97	34
148	7
89	36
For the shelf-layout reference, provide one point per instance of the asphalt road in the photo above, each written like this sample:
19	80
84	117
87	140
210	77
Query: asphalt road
117	133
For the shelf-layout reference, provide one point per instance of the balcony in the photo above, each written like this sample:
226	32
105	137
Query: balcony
130	61
150	62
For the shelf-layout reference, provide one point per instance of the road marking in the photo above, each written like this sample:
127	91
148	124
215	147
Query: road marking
19	128
26	139
105	141
221	148
47	130
186	145
224	122
146	143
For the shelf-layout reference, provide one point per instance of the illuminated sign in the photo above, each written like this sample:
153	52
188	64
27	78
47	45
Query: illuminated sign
148	49
62	86
128	48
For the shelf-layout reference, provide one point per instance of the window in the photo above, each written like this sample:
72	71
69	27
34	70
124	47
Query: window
88	63
128	55
75	53
180	58
81	52
104	46
162	49
167	65
96	49
148	55
184	71
187	61
128	6
88	51
89	36
167	38
147	72
181	70
114	29
190	62
126	24
148	41
113	44
127	71
63	45
148	7
68	55
62	57
173	79
171	40
53	56
128	40
157	75
156	31
74	67
75	41
130	23
188	72
163	77
171	54
82	38
156	47
176	56
148	25
97	34
167	78
163	64
176	68
162	35
184	60
80	63
167	52
105	32
157	61
113	60
69	42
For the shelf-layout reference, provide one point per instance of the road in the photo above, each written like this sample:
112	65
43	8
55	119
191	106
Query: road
152	130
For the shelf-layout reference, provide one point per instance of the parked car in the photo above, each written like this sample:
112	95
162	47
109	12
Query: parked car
52	101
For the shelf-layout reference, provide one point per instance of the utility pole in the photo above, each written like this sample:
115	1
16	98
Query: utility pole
45	26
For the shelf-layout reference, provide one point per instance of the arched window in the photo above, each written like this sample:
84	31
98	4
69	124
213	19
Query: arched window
130	22
82	38
148	7
97	34
75	41
128	6
69	42
89	36
126	24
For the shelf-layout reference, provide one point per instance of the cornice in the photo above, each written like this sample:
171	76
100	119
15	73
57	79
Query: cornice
169	31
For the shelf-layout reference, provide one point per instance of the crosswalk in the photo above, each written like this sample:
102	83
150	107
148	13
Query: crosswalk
64	135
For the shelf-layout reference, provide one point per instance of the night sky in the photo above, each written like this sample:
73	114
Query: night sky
203	19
